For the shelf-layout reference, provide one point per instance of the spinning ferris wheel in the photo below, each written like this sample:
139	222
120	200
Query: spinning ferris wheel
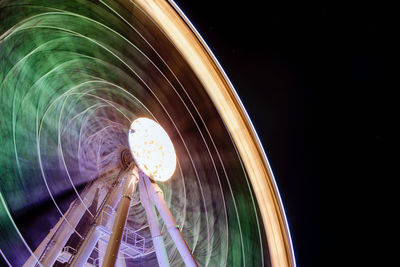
80	185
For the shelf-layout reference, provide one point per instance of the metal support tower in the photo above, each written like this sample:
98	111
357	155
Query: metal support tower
109	230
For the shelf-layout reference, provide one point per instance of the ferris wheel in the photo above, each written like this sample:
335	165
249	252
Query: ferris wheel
73	77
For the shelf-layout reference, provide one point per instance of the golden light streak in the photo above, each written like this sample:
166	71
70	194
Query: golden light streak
152	149
235	118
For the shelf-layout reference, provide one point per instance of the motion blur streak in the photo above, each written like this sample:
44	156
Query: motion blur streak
236	120
73	76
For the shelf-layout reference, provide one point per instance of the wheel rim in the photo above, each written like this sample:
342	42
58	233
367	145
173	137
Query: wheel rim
73	77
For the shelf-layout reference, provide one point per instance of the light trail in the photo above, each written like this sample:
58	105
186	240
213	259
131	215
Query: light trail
71	81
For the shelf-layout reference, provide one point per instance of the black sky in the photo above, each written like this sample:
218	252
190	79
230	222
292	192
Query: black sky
311	78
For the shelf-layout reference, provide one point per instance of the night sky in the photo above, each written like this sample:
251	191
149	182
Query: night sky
311	77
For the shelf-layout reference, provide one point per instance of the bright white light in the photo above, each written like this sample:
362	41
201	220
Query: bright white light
152	149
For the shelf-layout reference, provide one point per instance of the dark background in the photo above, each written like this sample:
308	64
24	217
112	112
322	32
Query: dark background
311	77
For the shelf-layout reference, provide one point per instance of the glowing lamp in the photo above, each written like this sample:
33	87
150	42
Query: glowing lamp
152	149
